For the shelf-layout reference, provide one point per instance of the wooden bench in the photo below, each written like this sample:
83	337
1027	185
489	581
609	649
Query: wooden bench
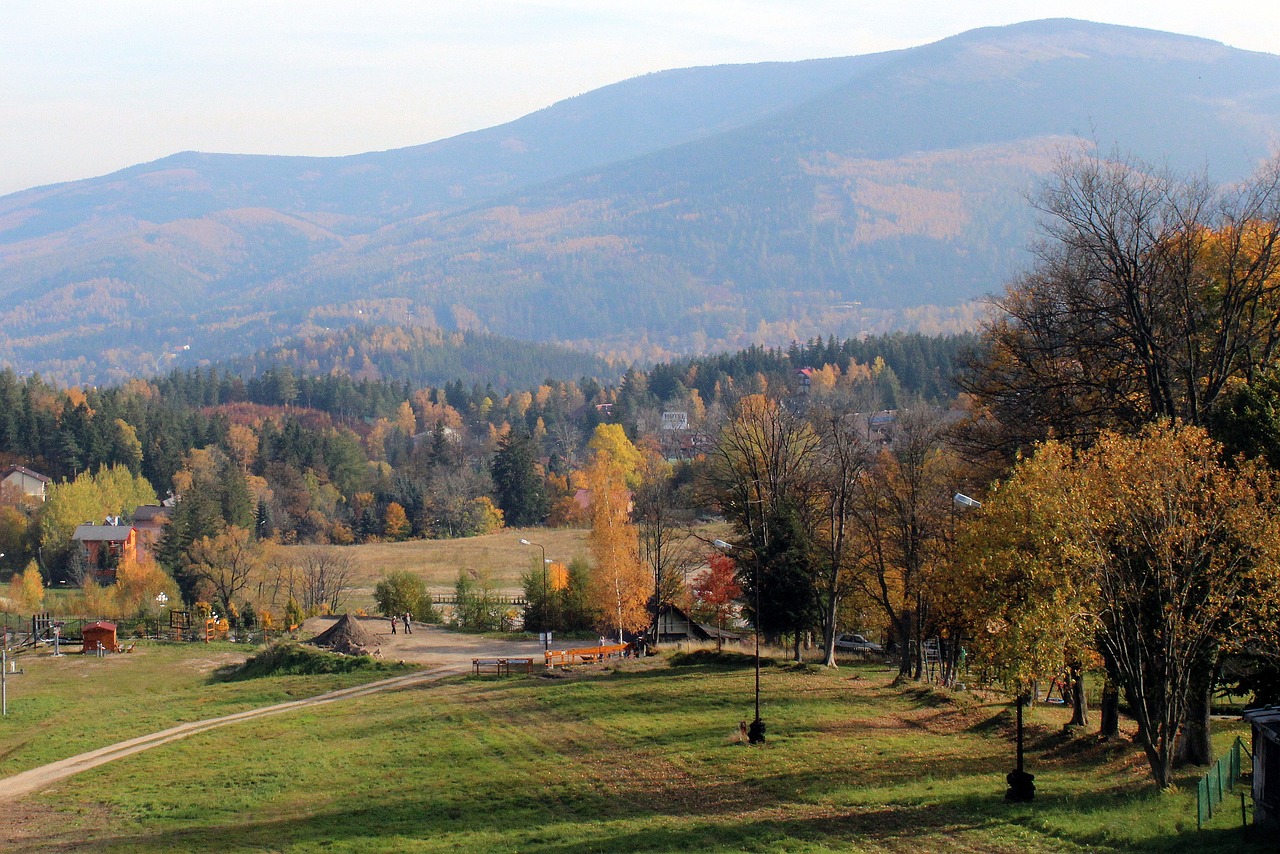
500	666
585	654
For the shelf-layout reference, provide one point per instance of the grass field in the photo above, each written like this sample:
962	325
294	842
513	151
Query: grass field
498	555
643	757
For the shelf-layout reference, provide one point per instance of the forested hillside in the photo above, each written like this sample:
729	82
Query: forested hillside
301	457
677	213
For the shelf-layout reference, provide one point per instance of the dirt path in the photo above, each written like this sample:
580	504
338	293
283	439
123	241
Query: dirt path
444	653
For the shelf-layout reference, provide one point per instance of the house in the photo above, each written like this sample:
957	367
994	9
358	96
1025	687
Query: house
1266	765
804	380
149	521
674	625
25	480
104	545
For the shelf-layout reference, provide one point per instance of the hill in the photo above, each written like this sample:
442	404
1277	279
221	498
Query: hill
676	212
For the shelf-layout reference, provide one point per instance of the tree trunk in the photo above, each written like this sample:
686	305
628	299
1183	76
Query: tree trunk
904	645
1194	745
1110	711
1079	697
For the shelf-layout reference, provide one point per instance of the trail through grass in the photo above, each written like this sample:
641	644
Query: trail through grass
642	758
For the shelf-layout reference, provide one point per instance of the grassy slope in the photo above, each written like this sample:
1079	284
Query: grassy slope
640	760
499	555
59	707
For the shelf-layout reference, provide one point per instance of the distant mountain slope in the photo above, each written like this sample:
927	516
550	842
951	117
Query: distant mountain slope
674	212
424	357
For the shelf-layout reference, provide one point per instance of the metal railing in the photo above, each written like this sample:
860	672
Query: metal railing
1222	777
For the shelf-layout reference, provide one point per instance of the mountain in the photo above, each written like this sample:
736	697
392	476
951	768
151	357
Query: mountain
674	212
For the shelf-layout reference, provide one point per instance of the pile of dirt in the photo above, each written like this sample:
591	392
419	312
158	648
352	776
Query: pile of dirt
346	636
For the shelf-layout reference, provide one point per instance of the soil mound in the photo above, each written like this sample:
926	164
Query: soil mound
346	636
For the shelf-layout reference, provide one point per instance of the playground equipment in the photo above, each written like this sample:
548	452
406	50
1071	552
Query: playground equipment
179	624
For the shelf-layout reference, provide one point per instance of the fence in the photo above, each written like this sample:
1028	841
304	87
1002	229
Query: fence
1222	777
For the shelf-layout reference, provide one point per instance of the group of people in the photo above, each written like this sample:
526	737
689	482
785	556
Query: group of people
407	618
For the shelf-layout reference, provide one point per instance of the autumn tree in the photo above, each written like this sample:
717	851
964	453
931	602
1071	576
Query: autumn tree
1174	551
139	582
619	585
715	592
395	524
844	455
903	518
325	577
1018	581
662	519
224	563
1150	294
26	589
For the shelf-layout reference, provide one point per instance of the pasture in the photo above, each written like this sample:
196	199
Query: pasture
639	756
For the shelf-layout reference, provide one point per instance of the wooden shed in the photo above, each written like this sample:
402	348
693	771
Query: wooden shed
99	635
1266	765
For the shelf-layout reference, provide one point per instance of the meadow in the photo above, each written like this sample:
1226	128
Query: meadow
640	756
498	556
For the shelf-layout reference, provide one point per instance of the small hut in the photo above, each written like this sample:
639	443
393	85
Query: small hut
99	636
1266	765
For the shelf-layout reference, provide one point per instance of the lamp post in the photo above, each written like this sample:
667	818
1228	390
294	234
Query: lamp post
546	593
1022	787
755	733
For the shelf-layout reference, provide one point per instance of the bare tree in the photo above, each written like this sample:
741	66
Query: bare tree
844	456
1150	294
326	577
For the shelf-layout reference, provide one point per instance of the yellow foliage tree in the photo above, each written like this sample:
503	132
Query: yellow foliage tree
611	440
618	587
138	583
395	525
26	590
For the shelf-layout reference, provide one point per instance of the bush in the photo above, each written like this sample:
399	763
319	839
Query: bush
291	659
403	592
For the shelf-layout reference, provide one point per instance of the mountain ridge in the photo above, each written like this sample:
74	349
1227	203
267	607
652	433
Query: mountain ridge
672	212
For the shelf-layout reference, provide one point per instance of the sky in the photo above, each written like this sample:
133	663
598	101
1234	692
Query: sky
88	87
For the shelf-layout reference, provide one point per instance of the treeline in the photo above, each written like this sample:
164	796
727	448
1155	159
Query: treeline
331	458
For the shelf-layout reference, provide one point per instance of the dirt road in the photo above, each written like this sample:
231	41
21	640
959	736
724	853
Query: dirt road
442	653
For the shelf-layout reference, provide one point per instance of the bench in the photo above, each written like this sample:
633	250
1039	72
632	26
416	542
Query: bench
500	666
585	655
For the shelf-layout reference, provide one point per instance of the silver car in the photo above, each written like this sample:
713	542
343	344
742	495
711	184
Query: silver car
857	643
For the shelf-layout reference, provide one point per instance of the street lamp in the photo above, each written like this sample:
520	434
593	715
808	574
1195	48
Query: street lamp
755	733
1022	787
546	593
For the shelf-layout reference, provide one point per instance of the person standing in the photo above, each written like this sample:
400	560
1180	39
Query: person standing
408	629
393	624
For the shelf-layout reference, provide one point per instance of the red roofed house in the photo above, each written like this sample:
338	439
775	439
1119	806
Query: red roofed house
104	545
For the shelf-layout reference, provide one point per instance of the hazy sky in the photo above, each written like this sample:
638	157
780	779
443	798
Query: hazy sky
89	87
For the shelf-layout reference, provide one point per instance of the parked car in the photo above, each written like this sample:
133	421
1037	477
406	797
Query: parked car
857	643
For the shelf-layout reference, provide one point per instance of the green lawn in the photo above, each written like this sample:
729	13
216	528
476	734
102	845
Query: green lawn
643	758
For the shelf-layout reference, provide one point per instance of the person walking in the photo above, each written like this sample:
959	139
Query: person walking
393	624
